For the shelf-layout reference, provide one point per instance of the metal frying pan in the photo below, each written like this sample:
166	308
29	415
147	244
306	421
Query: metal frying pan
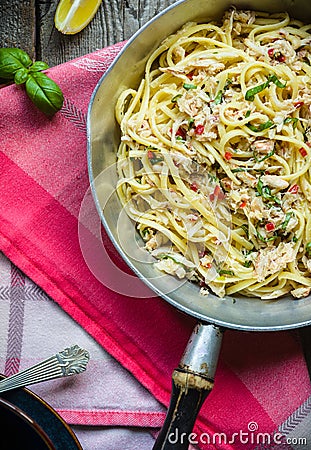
193	379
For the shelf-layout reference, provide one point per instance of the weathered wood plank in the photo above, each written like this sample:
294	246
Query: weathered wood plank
30	25
18	25
115	21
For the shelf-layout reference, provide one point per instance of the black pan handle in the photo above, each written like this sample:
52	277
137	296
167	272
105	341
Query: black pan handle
193	380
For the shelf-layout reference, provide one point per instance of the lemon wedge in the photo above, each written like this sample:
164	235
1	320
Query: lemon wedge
72	16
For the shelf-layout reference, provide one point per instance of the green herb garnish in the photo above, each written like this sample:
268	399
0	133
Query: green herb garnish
264	157
225	272
250	94
286	220
265	239
308	248
245	229
190	123
16	66
145	232
175	98
218	99
294	120
262	126
240	169
228	83
212	177
188	86
265	192
247	263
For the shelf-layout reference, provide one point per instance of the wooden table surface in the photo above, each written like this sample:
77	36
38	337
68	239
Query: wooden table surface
29	25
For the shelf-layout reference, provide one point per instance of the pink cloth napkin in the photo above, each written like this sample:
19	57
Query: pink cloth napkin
106	394
261	378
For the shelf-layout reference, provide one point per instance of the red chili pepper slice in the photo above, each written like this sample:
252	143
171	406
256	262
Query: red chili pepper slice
199	129
271	52
150	154
303	152
194	187
181	132
217	193
243	204
298	104
269	226
294	189
216	190
228	155
190	75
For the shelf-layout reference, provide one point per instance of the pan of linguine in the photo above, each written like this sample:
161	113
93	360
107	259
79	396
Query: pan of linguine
199	138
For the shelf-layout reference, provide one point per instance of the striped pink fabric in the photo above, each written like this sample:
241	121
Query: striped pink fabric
261	378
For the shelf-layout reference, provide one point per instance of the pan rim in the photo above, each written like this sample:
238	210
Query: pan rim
196	314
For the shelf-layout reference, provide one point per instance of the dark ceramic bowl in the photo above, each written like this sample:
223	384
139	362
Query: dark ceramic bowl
19	431
27	422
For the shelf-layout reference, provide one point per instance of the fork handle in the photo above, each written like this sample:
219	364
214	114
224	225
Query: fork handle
72	360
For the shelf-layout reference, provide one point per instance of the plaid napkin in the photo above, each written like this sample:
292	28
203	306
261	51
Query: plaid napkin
34	328
48	229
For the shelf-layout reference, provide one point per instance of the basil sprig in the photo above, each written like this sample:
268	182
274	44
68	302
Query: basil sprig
263	158
250	94
265	192
218	99
264	238
288	216
308	249
294	121
17	66
262	126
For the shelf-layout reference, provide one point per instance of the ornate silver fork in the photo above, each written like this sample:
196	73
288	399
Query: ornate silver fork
70	361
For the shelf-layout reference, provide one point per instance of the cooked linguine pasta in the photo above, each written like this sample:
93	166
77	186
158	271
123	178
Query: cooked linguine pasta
214	160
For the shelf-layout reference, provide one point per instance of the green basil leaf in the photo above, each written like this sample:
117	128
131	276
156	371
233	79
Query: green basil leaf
259	186
38	66
188	86
11	60
225	272
265	192
218	99
274	79
287	219
250	94
294	120
21	76
228	83
265	239
175	98
247	263
44	93
262	126
308	248
245	229
190	123
264	157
